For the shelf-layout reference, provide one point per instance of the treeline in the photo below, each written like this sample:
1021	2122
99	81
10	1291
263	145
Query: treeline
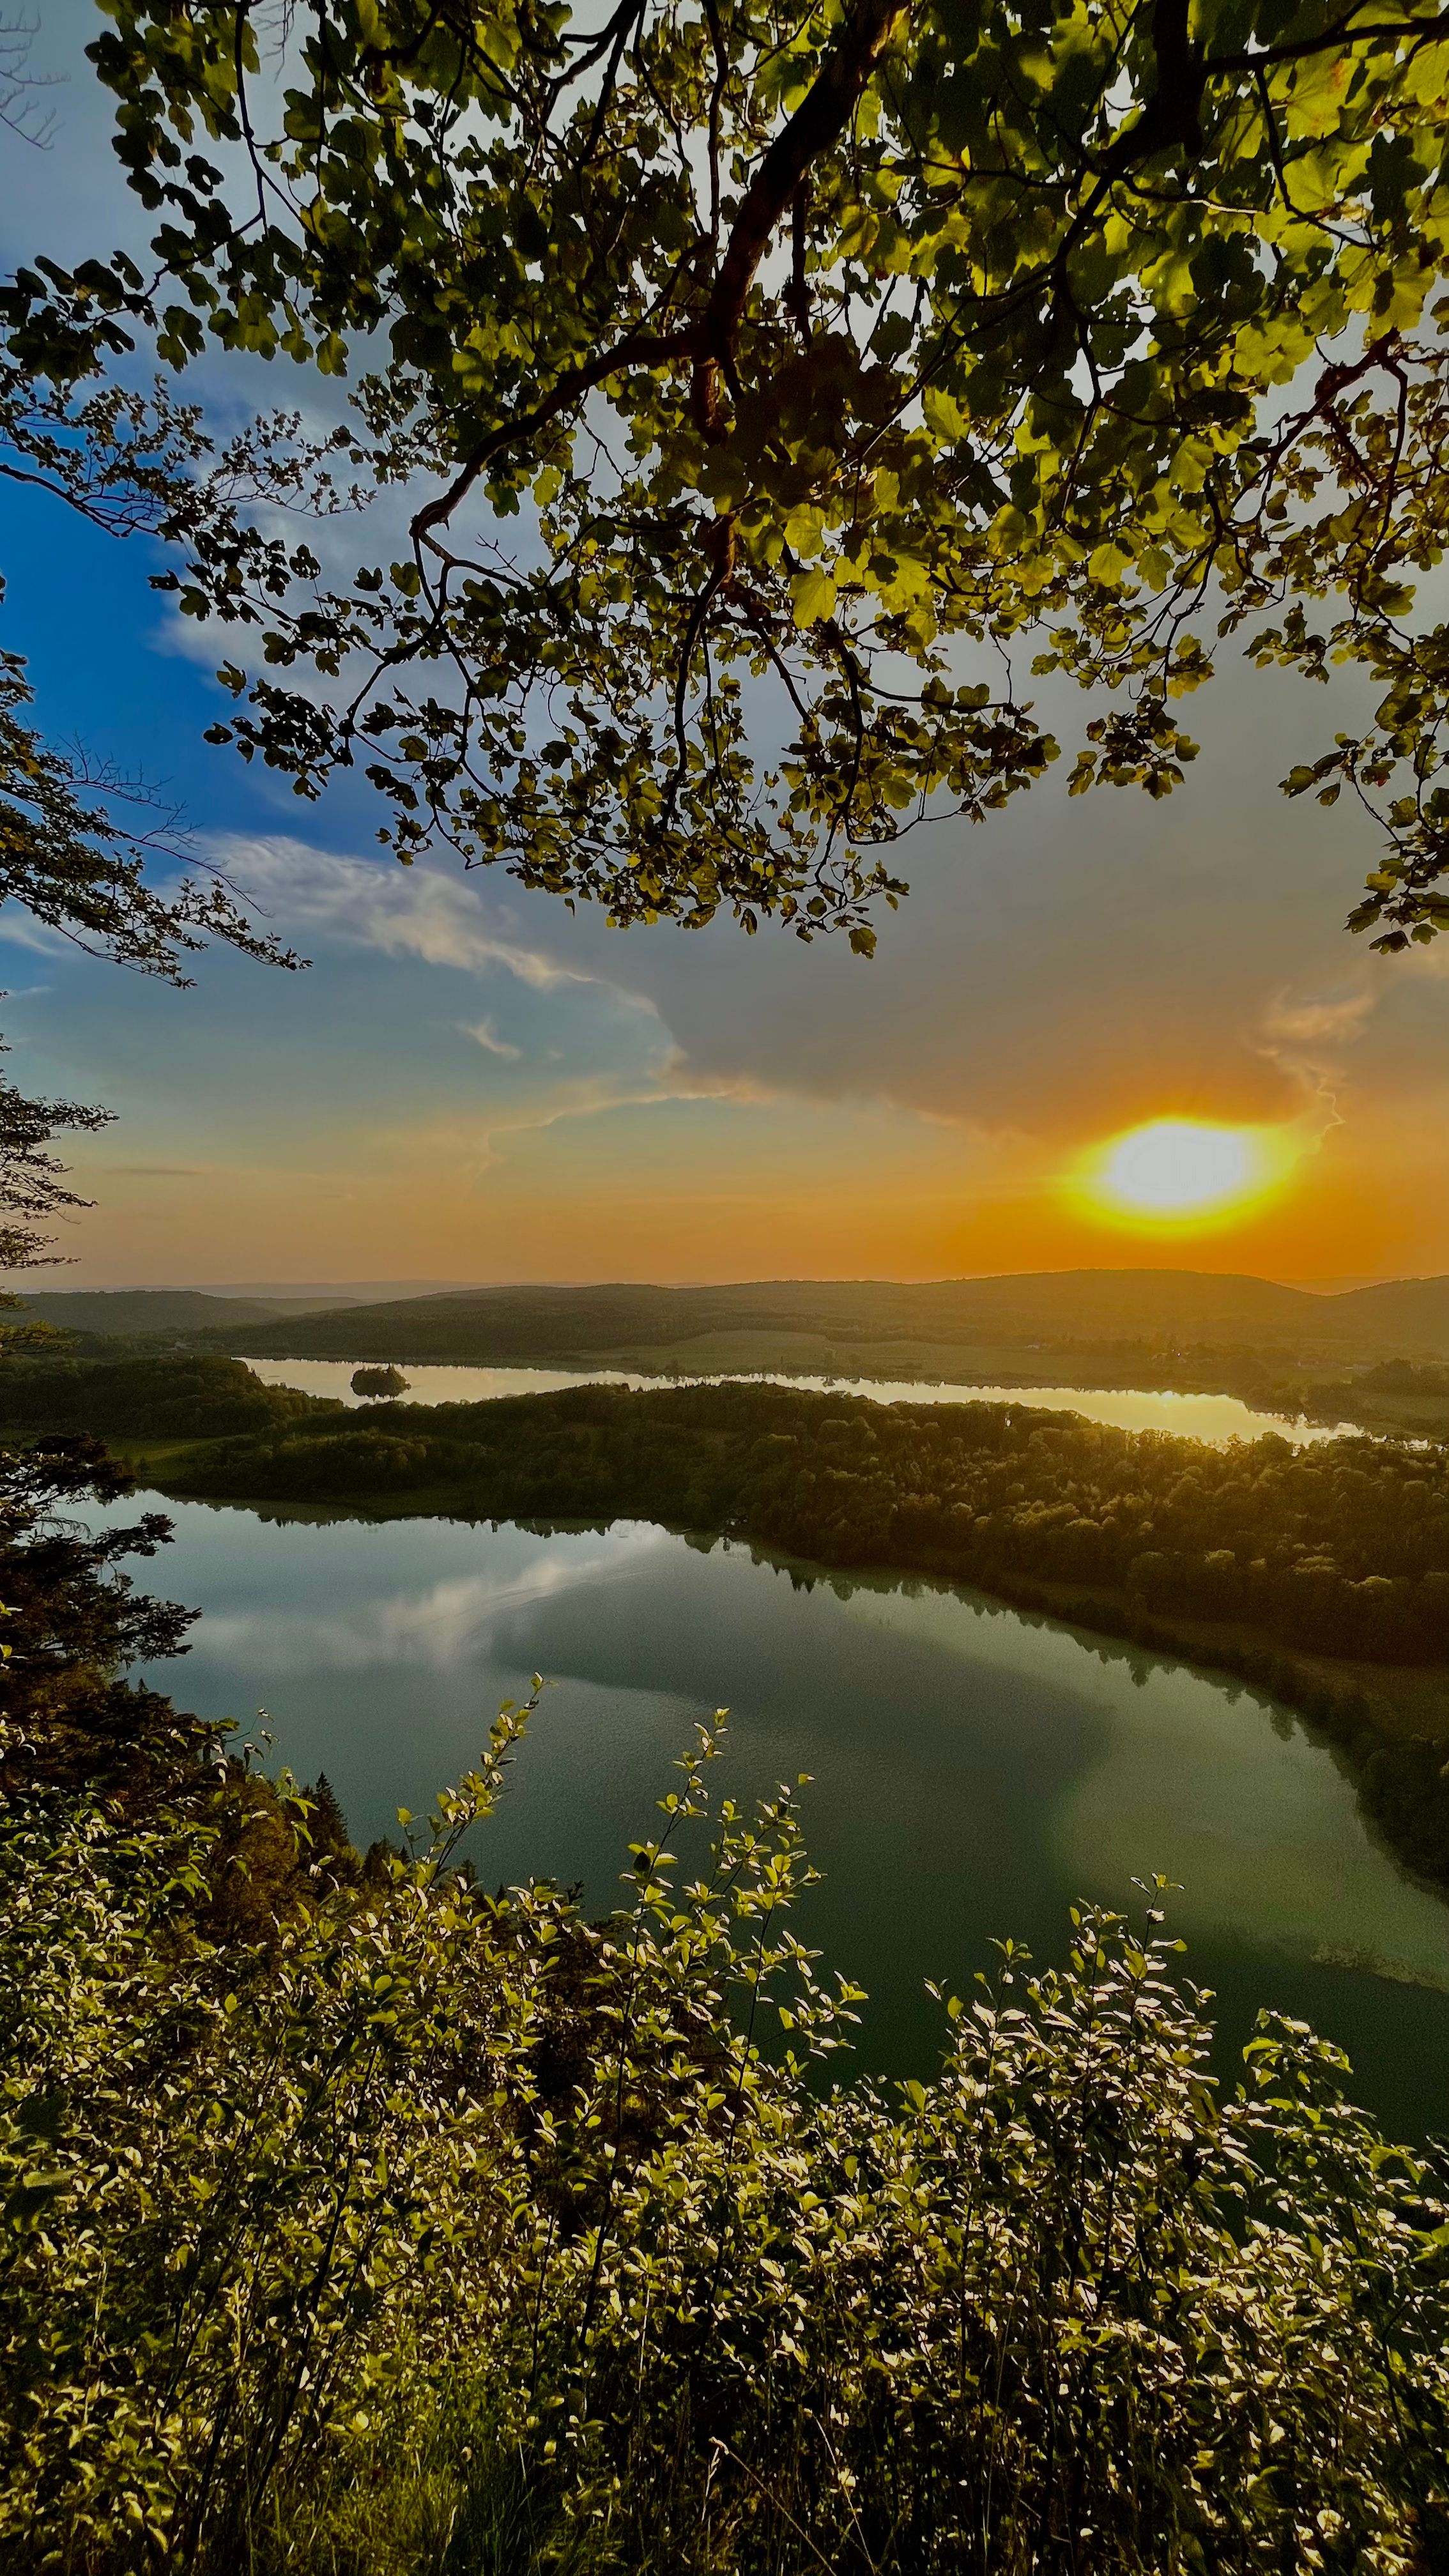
358	2221
1265	1379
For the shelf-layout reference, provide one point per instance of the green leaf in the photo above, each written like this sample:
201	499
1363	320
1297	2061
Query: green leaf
813	594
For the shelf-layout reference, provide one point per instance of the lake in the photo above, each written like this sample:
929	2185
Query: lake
974	1770
1216	1418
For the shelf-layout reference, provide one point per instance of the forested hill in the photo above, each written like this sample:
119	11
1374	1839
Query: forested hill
144	1310
127	1311
1343	1547
1311	1571
623	1320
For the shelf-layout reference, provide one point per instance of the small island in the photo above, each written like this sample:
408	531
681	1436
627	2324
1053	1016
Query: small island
379	1381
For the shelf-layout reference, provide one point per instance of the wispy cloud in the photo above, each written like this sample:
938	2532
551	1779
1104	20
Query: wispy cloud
489	1039
1306	1039
1319	1024
473	1145
19	931
416	912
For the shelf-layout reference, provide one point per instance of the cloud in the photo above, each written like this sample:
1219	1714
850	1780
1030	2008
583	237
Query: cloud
478	1146
416	912
19	930
1305	1040
1319	1024
488	1038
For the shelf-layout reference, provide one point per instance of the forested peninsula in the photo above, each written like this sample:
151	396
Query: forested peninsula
1319	1574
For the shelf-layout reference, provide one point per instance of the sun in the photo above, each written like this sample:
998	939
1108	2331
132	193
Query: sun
1181	1173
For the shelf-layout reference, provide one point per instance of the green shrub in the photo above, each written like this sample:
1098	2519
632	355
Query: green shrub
460	2234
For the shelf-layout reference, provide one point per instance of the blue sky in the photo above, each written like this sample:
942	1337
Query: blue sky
470	1084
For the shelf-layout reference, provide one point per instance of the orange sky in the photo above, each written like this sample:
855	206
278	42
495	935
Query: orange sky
726	1189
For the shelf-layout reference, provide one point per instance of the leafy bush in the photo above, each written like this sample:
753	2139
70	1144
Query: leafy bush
451	2233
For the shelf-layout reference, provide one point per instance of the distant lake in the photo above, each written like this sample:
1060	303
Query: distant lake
1218	1418
974	1770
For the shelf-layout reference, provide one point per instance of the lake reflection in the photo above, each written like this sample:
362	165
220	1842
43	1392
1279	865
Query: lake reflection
974	1770
1215	1418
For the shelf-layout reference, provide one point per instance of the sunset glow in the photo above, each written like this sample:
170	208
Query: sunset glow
1182	1173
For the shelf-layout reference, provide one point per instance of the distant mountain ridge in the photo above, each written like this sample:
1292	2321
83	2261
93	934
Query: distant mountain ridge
559	1325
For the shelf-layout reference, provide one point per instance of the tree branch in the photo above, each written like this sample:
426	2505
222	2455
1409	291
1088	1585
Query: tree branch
820	119
818	122
1375	31
1172	115
636	349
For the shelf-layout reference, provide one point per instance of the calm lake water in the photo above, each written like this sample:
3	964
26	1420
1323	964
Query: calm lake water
1218	1418
974	1770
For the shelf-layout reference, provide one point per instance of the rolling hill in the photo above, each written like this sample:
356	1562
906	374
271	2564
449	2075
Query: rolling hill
778	1318
156	1310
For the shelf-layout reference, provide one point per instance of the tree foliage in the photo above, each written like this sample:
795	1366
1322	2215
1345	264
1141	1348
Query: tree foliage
71	1623
32	1180
150	1395
862	356
379	1381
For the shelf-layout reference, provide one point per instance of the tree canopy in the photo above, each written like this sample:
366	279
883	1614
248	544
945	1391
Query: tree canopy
859	363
